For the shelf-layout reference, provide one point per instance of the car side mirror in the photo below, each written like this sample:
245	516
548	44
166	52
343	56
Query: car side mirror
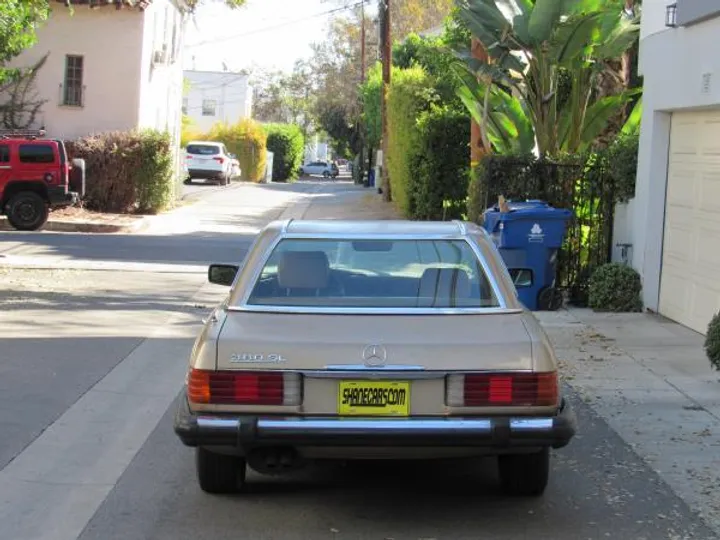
222	274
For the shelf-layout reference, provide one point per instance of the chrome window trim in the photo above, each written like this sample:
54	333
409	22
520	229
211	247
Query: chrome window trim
461	236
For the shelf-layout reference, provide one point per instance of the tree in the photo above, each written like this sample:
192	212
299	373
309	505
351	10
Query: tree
232	4
546	60
21	105
284	98
413	16
18	21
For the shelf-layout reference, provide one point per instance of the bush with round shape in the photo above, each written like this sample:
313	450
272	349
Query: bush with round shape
712	342
615	287
287	143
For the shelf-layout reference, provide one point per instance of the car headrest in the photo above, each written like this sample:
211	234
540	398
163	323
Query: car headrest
303	270
439	283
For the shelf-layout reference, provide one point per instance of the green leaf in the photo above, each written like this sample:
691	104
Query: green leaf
485	34
598	115
573	37
623	35
544	18
520	26
489	12
632	124
524	132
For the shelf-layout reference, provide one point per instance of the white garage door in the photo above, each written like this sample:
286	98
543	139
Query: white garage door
690	278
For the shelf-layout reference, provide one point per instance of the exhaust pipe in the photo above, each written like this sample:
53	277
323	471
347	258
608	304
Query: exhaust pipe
274	460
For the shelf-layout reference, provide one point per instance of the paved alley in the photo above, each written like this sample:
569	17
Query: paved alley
96	331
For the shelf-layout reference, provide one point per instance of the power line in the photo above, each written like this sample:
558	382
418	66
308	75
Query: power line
268	28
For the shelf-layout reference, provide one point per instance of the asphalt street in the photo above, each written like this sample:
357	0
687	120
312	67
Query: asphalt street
94	340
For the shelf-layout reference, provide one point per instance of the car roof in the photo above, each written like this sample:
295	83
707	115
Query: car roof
334	227
210	143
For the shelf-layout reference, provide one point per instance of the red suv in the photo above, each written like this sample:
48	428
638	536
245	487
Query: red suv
34	178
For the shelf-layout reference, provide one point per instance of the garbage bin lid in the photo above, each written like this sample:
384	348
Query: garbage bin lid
530	204
531	208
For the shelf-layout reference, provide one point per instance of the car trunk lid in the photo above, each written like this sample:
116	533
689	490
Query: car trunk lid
430	342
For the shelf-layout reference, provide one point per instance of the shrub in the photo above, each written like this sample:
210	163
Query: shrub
154	176
247	140
621	160
712	342
287	143
438	184
615	287
126	171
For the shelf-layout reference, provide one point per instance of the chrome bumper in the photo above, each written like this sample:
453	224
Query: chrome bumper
491	432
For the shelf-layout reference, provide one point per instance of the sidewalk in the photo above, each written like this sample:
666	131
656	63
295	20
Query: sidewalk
649	379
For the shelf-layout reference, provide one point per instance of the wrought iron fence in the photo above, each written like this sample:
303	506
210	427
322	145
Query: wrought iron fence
584	188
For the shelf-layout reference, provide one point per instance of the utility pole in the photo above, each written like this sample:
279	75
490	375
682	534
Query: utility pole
361	128
386	64
362	44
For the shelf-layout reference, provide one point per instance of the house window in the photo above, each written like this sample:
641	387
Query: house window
4	153
73	95
185	106
208	107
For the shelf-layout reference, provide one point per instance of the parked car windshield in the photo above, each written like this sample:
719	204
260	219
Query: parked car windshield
203	149
373	274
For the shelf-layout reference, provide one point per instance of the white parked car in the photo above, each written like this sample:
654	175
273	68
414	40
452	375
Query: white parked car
326	169
210	161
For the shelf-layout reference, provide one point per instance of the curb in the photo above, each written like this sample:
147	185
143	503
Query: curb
84	226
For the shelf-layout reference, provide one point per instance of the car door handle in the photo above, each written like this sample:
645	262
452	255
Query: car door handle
5	166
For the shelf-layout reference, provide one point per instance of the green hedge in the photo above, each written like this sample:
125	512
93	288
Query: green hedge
620	159
126	171
287	143
438	184
247	140
408	97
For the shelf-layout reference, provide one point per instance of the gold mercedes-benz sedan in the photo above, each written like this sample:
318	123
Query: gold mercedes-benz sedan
371	340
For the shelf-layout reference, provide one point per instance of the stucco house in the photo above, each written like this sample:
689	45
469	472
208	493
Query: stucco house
674	220
217	96
112	65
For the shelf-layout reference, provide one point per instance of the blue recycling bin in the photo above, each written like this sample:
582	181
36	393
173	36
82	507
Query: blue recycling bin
528	237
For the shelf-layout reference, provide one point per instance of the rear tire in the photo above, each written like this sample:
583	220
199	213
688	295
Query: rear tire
525	475
218	473
326	174
27	211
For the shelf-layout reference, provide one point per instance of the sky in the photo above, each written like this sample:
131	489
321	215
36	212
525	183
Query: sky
267	33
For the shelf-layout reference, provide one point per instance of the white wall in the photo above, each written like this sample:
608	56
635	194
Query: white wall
110	41
673	61
161	85
653	16
231	91
161	82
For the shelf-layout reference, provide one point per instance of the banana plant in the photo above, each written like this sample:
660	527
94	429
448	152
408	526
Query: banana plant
528	43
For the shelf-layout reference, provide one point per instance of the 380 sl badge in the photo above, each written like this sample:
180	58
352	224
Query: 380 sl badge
253	358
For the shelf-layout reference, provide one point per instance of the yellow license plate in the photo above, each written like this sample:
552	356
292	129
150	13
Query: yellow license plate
374	398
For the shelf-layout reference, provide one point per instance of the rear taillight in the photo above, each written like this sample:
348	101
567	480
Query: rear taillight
188	157
244	387
219	160
502	389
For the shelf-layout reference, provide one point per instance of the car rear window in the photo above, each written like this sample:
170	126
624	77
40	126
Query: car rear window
36	153
203	149
373	274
